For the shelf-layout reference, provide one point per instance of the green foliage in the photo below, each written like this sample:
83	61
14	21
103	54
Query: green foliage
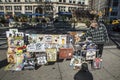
33	20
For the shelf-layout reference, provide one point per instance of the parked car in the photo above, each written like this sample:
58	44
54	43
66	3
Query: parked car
115	22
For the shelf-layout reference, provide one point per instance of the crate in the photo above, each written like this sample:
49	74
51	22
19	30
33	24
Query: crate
65	53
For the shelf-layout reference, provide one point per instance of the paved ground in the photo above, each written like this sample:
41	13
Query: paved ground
61	70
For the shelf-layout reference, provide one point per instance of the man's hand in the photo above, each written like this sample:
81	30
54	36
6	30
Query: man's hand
77	38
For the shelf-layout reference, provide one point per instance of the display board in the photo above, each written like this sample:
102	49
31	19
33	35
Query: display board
23	48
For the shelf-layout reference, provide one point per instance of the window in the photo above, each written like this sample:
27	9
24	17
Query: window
70	9
1	8
70	1
28	7
8	7
64	8
38	0
73	1
60	0
61	8
16	0
48	8
114	13
30	0
6	1
83	3
17	8
115	0
79	2
9	1
64	0
115	4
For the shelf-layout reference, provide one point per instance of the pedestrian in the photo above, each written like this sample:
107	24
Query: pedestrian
98	33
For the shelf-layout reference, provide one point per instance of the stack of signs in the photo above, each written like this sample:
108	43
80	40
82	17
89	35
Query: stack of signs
29	63
91	54
36	47
29	60
51	54
91	51
97	63
15	48
76	62
40	42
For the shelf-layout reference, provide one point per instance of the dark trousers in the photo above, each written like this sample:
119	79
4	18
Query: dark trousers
100	48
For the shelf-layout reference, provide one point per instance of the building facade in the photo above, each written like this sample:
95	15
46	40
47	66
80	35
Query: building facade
110	9
114	9
16	7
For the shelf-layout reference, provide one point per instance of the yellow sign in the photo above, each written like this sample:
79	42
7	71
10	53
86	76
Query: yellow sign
110	10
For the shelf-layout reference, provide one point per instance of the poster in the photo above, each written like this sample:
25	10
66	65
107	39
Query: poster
11	58
36	47
19	58
48	38
90	54
63	39
19	36
11	50
31	47
76	62
51	54
16	39
13	30
41	58
9	34
18	43
56	39
40	38
40	47
32	38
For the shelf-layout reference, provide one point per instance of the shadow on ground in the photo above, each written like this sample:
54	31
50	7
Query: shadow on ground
82	75
3	63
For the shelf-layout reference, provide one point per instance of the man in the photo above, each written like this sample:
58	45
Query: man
99	35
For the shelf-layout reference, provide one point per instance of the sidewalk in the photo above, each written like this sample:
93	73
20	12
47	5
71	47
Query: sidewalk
61	70
3	43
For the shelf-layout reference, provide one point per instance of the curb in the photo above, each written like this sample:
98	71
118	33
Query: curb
3	43
110	47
